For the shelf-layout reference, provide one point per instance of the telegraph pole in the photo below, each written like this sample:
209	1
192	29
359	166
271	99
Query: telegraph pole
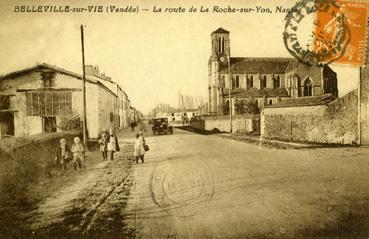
359	106
229	93
85	139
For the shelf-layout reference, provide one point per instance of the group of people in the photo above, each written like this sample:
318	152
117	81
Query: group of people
108	146
76	153
140	147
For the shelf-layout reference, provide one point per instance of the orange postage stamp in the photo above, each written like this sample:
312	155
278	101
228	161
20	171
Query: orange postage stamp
327	31
352	16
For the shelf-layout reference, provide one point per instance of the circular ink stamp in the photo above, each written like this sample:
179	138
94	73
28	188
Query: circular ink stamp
316	31
182	187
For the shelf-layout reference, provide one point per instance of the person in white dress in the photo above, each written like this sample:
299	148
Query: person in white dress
139	151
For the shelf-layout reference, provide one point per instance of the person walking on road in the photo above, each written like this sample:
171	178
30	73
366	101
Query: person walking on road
139	151
113	145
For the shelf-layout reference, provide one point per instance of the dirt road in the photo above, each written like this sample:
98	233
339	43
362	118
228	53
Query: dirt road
91	205
195	186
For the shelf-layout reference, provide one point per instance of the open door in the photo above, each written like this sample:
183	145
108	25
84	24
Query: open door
7	123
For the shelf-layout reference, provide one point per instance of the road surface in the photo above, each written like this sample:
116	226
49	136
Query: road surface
196	186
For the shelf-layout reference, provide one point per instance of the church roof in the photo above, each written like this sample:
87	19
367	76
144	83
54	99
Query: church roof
241	65
220	30
304	101
258	93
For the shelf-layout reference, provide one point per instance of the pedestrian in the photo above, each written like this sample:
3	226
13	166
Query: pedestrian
63	154
113	145
78	152
139	150
103	142
145	146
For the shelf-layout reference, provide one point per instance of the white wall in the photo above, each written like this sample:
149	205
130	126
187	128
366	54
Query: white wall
239	124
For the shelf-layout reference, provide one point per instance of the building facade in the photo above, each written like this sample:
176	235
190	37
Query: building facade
40	97
266	81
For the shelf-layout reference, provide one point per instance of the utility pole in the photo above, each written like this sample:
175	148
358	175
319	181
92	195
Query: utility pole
85	139
229	93
359	106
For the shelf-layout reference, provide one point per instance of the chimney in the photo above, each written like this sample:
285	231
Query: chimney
91	70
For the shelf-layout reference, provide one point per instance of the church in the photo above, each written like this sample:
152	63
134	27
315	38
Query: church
261	80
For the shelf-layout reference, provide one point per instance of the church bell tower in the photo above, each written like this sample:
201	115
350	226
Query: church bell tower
220	52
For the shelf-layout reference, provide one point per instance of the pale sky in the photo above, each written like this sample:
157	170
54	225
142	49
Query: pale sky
151	55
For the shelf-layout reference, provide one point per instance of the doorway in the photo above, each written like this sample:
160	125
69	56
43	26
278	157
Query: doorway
49	124
6	123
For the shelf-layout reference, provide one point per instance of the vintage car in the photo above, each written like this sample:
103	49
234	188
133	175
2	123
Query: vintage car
161	125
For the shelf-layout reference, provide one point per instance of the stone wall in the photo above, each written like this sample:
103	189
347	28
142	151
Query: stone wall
364	105
247	123
333	123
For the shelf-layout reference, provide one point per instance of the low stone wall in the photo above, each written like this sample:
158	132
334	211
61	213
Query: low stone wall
34	145
364	110
335	123
247	123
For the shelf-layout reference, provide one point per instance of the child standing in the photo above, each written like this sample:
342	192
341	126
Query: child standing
113	144
139	150
104	145
78	154
62	154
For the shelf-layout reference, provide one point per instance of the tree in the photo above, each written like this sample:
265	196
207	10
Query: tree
247	106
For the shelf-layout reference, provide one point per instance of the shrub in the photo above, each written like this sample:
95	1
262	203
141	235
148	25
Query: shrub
70	122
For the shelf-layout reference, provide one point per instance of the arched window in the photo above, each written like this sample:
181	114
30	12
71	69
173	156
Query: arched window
298	85
237	83
276	82
263	81
308	88
270	102
250	82
221	44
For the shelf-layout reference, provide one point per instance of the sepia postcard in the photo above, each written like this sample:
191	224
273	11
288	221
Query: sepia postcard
184	119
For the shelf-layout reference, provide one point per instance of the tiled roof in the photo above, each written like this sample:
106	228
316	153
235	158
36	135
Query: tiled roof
304	101
275	92
220	30
257	93
293	64
257	65
56	69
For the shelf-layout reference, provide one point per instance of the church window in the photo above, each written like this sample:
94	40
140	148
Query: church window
263	81
276	82
237	83
270	102
308	88
298	85
221	44
250	82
